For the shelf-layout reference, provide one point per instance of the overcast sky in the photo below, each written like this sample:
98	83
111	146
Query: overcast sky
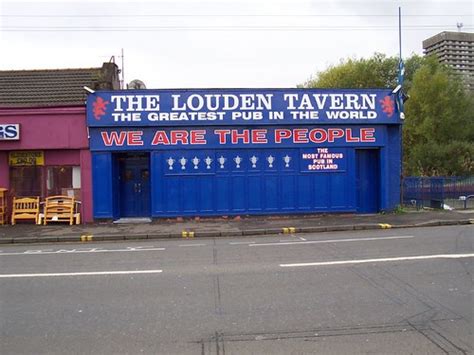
217	43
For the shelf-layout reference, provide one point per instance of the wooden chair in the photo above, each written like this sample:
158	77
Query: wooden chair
25	208
60	209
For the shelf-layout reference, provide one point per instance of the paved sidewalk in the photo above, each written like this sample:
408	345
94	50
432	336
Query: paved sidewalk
231	226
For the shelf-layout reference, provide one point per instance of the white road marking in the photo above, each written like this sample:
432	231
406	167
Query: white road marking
93	273
192	245
295	237
238	243
331	241
76	251
364	261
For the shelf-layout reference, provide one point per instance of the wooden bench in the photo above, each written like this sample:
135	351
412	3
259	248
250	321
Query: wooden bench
25	208
60	209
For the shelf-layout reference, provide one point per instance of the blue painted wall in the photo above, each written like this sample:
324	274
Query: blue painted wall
247	190
103	185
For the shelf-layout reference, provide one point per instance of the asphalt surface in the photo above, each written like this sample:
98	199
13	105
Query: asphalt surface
227	226
393	291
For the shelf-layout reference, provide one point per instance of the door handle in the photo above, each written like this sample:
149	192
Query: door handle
139	187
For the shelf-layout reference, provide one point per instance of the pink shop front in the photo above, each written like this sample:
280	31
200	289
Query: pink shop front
44	152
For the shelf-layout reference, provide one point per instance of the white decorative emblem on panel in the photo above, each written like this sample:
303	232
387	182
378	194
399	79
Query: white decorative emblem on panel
237	160
208	162
254	160
195	162
270	160
183	162
287	160
221	161
170	162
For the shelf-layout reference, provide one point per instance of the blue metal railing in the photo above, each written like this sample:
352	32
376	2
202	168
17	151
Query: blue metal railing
435	192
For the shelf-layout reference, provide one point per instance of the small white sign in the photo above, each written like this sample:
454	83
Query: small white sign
10	132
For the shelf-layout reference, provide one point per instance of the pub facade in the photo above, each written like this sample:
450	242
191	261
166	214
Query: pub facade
215	152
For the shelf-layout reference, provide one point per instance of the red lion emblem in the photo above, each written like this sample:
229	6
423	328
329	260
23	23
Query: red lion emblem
388	105
99	107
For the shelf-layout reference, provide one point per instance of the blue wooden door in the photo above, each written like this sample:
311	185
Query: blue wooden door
367	180
134	185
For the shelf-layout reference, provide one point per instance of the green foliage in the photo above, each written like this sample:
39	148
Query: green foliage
399	209
439	126
440	159
378	71
438	133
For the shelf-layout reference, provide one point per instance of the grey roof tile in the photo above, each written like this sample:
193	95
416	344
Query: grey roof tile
49	87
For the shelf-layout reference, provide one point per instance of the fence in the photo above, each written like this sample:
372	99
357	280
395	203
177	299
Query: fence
438	192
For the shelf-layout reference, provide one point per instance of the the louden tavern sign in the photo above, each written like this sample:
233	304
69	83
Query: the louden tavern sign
237	108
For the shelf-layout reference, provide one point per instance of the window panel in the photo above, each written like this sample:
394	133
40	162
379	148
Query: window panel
59	178
26	181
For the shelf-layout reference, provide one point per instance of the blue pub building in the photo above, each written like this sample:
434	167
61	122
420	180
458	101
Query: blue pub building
211	152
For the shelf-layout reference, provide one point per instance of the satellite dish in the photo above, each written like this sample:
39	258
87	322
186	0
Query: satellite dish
136	85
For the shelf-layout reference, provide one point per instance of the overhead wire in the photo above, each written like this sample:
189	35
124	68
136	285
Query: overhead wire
236	27
214	28
228	15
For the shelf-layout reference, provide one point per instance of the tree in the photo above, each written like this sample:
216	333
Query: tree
378	71
438	132
439	129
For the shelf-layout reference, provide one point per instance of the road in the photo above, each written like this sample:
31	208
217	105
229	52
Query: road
384	291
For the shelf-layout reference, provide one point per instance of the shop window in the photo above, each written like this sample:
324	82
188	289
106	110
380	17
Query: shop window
26	181
63	180
45	181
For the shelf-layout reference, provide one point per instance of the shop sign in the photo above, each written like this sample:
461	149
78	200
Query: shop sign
148	138
230	107
26	158
323	160
9	132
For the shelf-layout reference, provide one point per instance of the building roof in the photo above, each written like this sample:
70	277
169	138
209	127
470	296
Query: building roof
448	36
54	87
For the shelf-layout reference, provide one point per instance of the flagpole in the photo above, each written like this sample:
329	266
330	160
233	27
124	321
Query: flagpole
400	30
400	130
